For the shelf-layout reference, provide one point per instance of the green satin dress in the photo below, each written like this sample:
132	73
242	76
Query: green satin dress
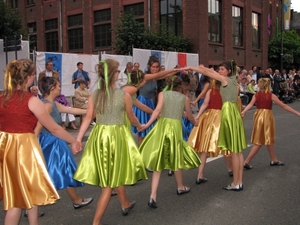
111	157
232	132
164	147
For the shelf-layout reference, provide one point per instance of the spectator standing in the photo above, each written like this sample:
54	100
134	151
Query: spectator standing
49	72
79	75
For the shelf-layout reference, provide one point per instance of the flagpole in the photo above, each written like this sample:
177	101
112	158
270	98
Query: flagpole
282	29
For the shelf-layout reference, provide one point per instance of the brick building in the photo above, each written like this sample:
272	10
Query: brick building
219	29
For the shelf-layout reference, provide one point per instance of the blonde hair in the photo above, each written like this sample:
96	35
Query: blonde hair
264	84
16	75
106	70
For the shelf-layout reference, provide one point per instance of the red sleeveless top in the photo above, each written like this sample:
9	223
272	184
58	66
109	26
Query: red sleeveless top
16	116
215	101
263	100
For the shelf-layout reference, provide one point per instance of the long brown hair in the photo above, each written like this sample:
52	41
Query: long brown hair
46	85
16	75
230	65
106	70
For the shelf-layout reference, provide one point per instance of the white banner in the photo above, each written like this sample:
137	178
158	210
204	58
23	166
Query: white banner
122	59
65	64
168	59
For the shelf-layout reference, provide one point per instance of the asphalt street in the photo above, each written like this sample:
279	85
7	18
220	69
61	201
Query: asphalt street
271	195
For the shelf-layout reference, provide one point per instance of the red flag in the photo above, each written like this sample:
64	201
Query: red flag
182	59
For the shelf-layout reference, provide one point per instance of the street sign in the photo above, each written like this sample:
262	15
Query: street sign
12	43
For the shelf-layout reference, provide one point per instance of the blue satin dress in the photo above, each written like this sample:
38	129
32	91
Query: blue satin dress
60	162
146	95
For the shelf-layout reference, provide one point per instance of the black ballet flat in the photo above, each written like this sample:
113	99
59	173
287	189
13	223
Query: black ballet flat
125	211
170	173
233	188
278	163
152	203
247	166
83	203
183	191
201	181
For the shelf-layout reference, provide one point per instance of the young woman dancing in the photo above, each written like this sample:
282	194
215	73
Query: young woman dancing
263	132
204	136
111	158
164	147
147	94
232	133
60	162
25	182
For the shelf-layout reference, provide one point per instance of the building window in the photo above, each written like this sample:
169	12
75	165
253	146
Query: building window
51	31
171	15
32	36
214	21
137	10
14	4
75	32
255	30
30	2
237	22
102	28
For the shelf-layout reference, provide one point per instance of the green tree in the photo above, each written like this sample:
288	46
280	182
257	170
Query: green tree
11	21
291	50
130	32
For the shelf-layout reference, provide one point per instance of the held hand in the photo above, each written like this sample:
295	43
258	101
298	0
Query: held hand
76	147
185	68
196	122
193	103
243	114
141	128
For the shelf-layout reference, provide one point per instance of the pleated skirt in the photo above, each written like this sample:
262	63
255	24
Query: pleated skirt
110	158
142	116
263	132
24	179
60	161
164	147
187	127
204	137
232	132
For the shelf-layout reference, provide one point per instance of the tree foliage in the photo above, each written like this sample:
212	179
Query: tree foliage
11	21
291	50
130	32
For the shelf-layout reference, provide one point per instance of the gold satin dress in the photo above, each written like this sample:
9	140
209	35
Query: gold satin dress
24	179
263	132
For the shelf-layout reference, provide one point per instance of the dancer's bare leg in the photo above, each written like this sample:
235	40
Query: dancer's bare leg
272	153
33	215
238	168
228	161
102	205
252	153
122	197
203	157
154	184
178	177
71	191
